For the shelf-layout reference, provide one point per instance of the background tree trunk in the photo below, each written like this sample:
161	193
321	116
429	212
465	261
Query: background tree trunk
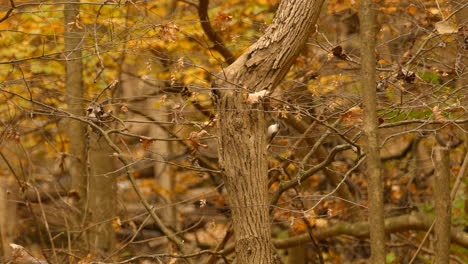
462	66
75	129
370	126
8	220
96	193
242	126
102	195
442	205
160	152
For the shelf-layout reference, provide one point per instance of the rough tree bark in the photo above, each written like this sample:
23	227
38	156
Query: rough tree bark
370	125
442	205
242	126
76	130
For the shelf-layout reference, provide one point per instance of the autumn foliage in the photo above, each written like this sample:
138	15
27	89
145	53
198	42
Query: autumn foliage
151	113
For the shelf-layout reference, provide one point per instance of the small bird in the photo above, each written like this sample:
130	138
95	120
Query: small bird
272	131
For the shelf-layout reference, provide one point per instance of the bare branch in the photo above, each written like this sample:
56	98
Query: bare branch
211	33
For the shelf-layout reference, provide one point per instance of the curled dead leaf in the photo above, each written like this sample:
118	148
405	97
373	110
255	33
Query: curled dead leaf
352	116
255	97
124	108
194	139
438	114
116	224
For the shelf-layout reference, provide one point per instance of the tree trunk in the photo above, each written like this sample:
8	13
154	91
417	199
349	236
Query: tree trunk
370	125
102	196
242	126
8	219
75	129
160	151
165	179
461	65
442	205
243	148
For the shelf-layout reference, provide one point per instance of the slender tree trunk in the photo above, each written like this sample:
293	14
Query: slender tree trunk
442	205
3	211
160	152
75	129
370	125
162	149
461	64
102	196
242	125
96	193
8	220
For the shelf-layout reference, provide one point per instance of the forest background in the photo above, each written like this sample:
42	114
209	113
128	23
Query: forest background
135	131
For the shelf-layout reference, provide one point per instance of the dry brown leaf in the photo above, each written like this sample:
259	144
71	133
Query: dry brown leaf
352	116
146	143
255	97
124	108
116	224
438	114
194	139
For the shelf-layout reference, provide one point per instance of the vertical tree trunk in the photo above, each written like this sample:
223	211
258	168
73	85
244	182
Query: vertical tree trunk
242	127
8	220
75	105
243	156
96	194
3	211
102	195
160	151
442	205
370	125
461	65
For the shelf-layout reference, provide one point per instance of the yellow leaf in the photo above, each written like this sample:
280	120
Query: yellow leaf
388	10
86	260
449	39
382	61
411	10
116	224
433	10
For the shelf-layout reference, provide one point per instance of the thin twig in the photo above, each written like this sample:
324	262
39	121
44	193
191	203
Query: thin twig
211	33
8	13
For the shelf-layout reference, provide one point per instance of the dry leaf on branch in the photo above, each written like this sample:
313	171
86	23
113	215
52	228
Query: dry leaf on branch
255	97
194	139
352	116
438	114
